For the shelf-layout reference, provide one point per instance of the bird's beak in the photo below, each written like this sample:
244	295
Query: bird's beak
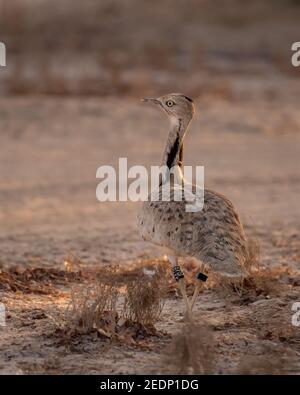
150	99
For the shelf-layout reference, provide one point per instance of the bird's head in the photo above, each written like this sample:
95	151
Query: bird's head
176	105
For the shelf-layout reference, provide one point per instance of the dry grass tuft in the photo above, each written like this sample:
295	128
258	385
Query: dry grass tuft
265	283
145	295
92	307
115	306
191	351
259	282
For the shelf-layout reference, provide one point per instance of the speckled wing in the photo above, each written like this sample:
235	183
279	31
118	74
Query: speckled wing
213	235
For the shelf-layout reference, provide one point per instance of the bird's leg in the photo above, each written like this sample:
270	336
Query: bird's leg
179	277
201	278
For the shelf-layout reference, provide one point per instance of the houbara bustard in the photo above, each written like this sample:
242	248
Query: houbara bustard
214	235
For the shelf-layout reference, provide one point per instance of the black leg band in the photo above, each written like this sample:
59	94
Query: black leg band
202	277
178	274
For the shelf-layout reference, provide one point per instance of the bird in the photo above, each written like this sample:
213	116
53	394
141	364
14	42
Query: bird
214	236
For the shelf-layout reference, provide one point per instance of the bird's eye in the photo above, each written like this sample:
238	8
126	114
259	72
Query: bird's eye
170	103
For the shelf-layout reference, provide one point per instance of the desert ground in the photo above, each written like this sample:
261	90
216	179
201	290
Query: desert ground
69	103
50	150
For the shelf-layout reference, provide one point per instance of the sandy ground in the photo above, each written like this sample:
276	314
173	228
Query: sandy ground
50	150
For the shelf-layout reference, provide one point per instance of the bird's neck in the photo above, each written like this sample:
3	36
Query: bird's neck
173	153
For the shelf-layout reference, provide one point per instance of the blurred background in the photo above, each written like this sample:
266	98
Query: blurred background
113	47
69	103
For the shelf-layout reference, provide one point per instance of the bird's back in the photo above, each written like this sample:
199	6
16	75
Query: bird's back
214	235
